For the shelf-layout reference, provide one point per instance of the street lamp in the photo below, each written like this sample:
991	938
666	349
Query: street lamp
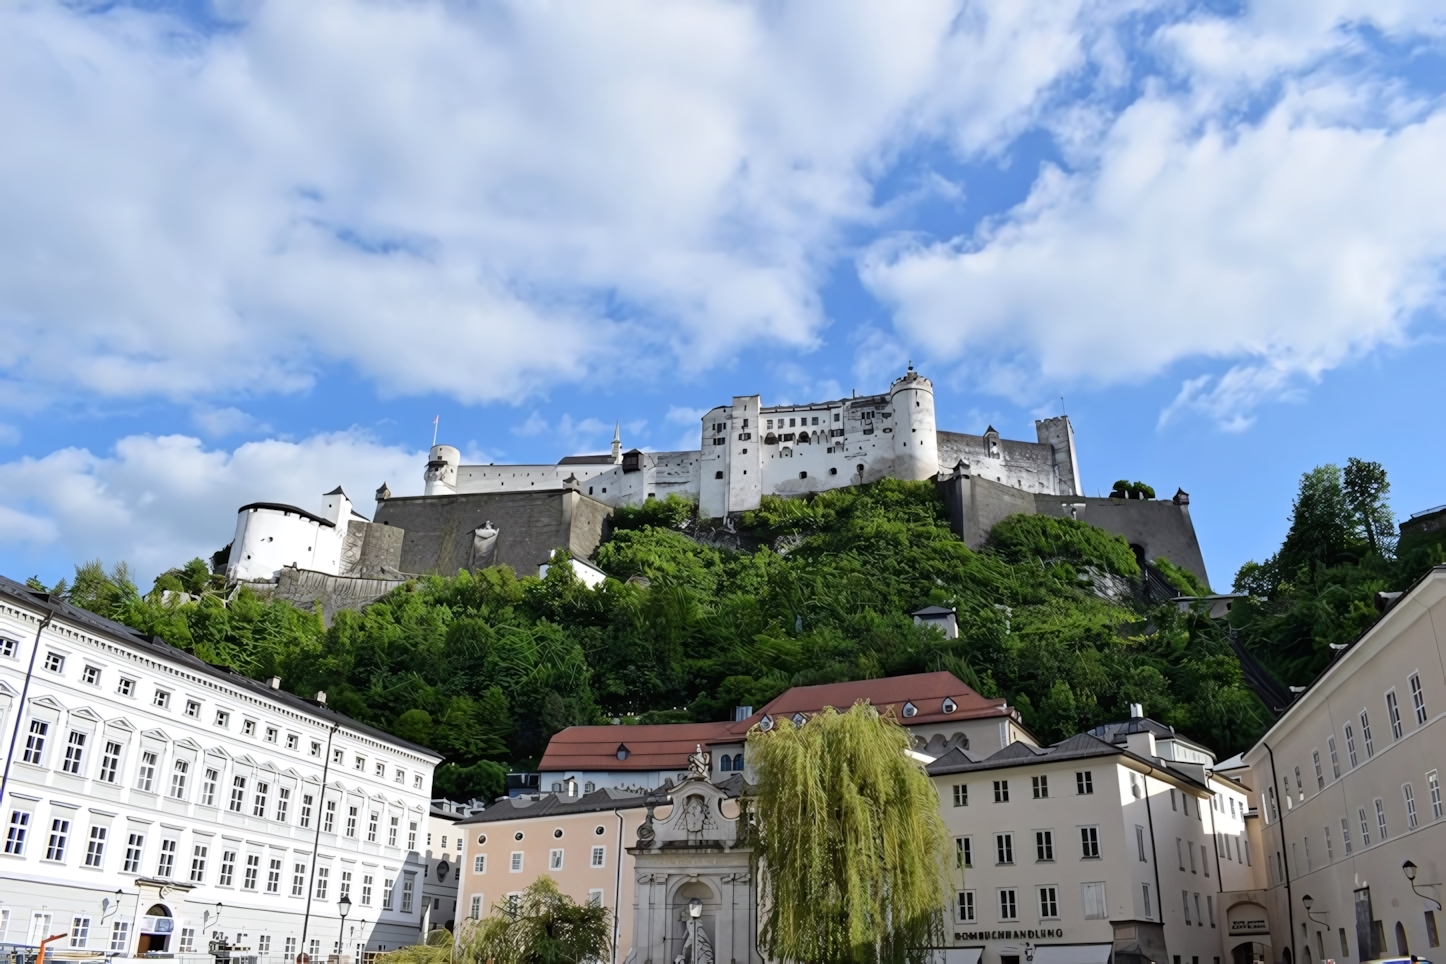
1308	901
344	906
1409	869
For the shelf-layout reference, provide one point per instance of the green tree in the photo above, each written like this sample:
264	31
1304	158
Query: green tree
543	926
1366	487
849	847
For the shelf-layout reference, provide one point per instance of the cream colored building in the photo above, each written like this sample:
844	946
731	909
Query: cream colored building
1348	784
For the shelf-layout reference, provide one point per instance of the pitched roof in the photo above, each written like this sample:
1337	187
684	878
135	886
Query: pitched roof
1078	747
283	507
666	746
555	805
158	648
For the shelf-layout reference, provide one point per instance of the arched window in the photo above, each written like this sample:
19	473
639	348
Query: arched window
725	764
738	762
1402	948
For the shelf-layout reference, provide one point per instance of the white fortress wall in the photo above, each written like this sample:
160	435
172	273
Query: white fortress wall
270	537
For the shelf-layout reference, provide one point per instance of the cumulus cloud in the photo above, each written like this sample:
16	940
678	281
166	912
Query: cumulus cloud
157	501
1276	246
475	199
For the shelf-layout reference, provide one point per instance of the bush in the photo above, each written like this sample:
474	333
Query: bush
1021	538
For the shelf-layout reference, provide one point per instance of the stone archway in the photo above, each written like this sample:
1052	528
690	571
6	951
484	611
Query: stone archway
156	928
1249	952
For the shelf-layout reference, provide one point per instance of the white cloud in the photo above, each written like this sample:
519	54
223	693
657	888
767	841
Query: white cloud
1283	247
9	434
682	415
157	501
220	422
446	196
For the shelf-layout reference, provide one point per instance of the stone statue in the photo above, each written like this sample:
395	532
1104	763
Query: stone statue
484	546
695	817
697	949
699	762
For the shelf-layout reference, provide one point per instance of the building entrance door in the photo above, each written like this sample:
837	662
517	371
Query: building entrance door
1248	953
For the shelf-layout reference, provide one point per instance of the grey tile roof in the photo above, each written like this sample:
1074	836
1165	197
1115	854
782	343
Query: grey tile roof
158	648
1081	746
556	805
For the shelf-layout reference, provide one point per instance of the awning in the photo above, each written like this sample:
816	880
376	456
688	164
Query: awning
1072	953
955	955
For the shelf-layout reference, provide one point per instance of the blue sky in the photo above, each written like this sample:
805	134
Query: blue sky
249	250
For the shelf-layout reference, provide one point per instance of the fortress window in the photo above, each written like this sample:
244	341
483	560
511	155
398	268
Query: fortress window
791	422
833	471
717	475
803	475
861	469
815	420
835	416
770	424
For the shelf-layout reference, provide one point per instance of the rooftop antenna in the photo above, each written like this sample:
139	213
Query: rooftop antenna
435	420
1061	407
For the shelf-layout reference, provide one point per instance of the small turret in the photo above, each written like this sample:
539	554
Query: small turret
441	474
618	443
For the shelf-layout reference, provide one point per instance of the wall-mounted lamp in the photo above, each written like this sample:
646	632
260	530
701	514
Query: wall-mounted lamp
1409	869
1308	901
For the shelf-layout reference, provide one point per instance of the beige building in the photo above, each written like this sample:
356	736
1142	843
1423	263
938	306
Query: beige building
1348	785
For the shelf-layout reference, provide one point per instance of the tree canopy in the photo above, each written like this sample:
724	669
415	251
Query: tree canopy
849	842
542	925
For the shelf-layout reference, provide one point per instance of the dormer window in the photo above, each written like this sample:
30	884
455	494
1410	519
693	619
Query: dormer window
949	705
799	719
623	751
910	710
766	723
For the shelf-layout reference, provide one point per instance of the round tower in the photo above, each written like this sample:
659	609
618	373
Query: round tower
916	440
441	474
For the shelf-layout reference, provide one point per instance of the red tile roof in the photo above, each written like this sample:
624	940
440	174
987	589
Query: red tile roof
666	746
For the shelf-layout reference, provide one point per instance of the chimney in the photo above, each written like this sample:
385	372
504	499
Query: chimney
275	682
321	697
1137	712
1141	743
741	713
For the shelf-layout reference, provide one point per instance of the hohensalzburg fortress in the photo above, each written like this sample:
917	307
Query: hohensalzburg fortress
748	450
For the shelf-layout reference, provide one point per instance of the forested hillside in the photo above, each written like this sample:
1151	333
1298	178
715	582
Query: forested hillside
486	668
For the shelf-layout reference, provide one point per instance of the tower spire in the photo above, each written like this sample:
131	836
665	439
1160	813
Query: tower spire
617	443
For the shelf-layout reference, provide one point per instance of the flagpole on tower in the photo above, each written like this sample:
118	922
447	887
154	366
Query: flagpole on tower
435	420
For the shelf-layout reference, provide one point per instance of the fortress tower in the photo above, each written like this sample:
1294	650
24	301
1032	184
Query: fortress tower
916	440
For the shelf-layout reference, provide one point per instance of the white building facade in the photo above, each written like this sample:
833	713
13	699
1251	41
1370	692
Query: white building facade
748	450
154	803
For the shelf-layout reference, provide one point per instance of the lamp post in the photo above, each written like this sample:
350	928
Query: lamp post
1409	869
1308	901
344	906
695	911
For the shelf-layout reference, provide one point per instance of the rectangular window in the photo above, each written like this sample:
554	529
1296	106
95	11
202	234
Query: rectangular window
1351	746
35	742
1346	833
193	709
361	762
125	687
1084	782
208	787
476	907
1366	735
1410	796
1319	773
387	888
1004	848
1093	898
1433	937
273	877
380	769
1044	844
54	662
146	773
94	848
1001	791
1365	827
1381	817
178	779
1040	785
1145	892
1433	783
306	810
1418	702
1008	908
479	862
1140	843
401	776
74	752
271	734
120	933
516	865
1210	909
162	699
372	820
412	835
961	794
1330	846
599	858
79	931
223	718
238	794
110	763
135	846
1089	842
258	802
291	948
328	817
338	757
188	940
1393	714
392	828
298	880
366	890
248	727
315	748
345	890
292	741
1185	899
89	675
228	868
965	906
409	883
198	863
283	803
323	880
963	852
263	944
59	835
1048	902
1180	852
166	865
554	860
7	648
351	821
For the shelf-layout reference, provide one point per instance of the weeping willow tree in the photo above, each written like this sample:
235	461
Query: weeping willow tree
543	926
849	842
